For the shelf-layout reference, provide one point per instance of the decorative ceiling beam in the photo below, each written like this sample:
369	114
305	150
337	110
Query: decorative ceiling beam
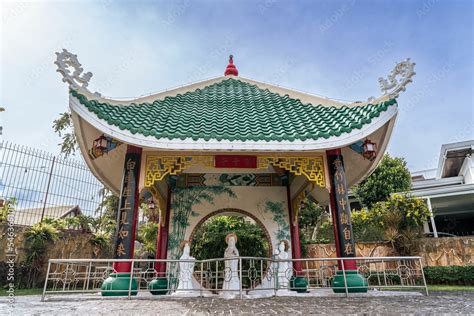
158	167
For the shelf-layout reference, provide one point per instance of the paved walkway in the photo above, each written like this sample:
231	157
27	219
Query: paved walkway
445	303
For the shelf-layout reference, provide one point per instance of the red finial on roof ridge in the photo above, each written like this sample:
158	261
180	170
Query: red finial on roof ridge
231	69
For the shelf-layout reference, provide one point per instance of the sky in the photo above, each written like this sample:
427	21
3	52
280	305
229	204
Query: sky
337	49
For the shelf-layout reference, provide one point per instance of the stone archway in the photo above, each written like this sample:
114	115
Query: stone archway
225	211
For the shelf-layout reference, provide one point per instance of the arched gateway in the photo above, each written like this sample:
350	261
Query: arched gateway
230	142
264	225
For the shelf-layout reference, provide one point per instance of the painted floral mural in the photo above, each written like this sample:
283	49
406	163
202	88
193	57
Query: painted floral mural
182	202
277	209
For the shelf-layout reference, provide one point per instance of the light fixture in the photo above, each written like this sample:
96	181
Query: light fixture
369	150
101	144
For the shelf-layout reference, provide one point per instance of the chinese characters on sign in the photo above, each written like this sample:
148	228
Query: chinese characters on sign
125	218
343	214
235	161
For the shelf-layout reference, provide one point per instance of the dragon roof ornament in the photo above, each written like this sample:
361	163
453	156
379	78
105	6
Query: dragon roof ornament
71	70
397	80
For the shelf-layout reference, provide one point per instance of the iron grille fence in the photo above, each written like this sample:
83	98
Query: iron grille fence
45	185
253	277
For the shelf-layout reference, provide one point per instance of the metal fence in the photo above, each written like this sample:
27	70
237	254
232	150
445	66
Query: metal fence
45	185
250	276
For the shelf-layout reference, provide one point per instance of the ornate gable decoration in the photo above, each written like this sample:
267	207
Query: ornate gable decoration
76	79
400	76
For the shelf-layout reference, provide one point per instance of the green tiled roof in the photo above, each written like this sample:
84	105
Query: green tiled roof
234	110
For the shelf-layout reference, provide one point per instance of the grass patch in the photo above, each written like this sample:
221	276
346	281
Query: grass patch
20	292
469	288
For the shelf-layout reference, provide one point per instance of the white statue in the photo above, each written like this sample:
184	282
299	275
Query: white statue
231	272
186	270
281	253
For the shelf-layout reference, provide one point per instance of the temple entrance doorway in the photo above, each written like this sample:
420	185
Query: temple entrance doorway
208	237
208	241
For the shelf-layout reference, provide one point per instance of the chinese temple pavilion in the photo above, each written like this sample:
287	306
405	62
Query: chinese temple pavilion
230	145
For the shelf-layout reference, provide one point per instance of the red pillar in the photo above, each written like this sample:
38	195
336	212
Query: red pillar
162	238
294	233
127	216
340	209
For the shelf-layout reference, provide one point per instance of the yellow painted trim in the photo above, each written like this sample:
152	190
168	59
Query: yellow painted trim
311	167
157	167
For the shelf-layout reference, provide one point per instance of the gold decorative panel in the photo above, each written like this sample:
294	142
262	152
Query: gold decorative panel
157	167
311	167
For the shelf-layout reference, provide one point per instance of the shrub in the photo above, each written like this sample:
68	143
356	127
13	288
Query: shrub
399	220
100	239
367	225
57	223
37	239
451	275
315	224
147	234
7	204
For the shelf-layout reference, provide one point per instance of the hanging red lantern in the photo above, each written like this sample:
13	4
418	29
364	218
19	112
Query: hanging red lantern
369	150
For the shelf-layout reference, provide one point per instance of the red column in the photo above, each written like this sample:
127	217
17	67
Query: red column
332	204
127	215
295	234
340	209
162	238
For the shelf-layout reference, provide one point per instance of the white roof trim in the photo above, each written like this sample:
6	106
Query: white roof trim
430	183
457	189
215	145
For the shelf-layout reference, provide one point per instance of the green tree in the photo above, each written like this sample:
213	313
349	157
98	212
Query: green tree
147	234
103	226
398	220
209	242
314	224
209	239
63	127
391	176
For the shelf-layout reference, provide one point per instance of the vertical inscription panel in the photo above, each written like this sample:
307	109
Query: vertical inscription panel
127	207
343	214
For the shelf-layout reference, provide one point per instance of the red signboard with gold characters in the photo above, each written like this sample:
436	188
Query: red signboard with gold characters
235	161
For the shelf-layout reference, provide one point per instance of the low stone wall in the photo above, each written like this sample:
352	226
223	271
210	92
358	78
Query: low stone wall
453	251
434	251
71	245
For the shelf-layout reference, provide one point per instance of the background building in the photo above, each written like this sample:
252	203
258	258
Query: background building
449	190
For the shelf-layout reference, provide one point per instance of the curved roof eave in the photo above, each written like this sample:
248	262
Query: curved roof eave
215	145
364	167
98	171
